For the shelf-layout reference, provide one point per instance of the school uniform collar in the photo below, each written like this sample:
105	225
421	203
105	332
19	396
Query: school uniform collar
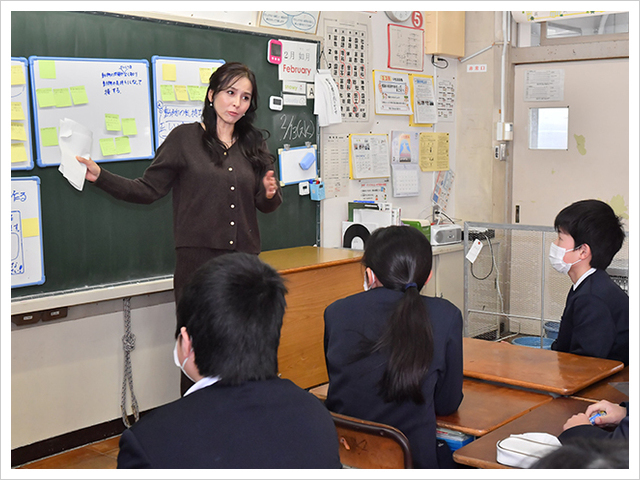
581	279
202	383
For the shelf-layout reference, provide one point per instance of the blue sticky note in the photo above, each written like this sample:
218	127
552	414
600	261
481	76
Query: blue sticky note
307	161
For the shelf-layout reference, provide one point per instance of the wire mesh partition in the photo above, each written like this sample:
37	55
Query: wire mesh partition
511	289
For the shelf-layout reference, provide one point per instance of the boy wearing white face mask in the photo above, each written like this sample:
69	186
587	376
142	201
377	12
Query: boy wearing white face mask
595	321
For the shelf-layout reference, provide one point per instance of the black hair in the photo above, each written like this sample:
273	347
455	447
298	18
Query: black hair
401	257
594	223
232	308
587	452
250	139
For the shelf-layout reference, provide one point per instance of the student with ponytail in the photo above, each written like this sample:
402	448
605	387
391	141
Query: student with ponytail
395	356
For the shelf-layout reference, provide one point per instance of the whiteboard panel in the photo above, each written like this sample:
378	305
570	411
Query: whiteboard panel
27	266
110	97
179	89
21	147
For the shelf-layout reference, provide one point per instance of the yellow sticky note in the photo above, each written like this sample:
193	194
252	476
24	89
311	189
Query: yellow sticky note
18	132
129	127
17	113
107	146
62	97
47	68
30	227
205	74
17	75
181	93
169	72
166	93
49	136
122	145
18	153
45	97
79	95
112	121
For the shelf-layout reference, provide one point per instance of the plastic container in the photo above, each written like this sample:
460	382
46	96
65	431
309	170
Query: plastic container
551	329
533	342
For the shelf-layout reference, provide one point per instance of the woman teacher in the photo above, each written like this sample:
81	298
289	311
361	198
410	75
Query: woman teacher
220	172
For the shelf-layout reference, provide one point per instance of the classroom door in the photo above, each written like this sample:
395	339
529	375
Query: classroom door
595	163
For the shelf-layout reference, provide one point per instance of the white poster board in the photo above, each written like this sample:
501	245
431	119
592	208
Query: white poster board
110	97
21	148
27	267
298	164
179	90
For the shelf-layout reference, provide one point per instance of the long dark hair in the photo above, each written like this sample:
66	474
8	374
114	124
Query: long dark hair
251	140
401	259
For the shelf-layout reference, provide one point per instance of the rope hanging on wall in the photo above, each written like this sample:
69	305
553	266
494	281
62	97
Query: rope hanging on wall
128	344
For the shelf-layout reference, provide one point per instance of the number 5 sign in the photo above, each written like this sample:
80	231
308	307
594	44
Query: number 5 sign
416	19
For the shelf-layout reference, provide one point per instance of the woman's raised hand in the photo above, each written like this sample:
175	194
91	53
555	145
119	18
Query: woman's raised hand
270	184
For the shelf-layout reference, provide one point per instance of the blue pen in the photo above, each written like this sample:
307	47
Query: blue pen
593	417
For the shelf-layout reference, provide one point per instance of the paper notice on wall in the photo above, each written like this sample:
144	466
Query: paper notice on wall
298	61
442	189
446	100
544	85
374	191
335	164
434	151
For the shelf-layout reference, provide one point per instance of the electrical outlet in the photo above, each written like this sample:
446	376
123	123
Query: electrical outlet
496	152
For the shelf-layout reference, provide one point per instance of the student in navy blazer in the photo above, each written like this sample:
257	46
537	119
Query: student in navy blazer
394	356
595	321
238	414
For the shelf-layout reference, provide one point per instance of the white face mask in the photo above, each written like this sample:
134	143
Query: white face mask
556	257
366	285
176	360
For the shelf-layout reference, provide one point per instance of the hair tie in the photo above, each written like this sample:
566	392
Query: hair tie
408	286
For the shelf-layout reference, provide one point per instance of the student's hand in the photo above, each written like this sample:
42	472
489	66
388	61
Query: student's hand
615	413
270	184
577	419
93	169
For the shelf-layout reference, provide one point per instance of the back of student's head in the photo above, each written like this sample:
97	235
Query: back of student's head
401	257
232	308
594	223
587	452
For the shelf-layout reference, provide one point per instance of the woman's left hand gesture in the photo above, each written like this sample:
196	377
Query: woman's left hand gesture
270	184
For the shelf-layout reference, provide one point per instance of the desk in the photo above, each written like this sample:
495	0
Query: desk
315	277
534	368
486	407
547	418
604	391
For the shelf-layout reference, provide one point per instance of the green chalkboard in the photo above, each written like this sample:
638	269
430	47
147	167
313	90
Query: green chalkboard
91	239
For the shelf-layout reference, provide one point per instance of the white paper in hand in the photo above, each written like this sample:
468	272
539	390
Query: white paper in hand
74	139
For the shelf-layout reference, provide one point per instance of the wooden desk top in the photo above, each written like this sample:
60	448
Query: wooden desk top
534	368
287	260
486	407
603	390
547	418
